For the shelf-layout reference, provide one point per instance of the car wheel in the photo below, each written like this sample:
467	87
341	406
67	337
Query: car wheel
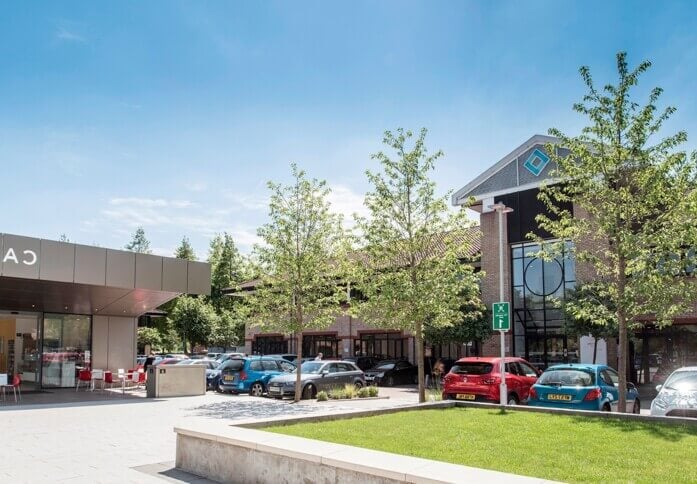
389	381
256	390
358	385
637	407
512	400
219	389
309	392
606	408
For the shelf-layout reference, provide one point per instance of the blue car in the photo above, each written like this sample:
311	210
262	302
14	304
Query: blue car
250	374
582	387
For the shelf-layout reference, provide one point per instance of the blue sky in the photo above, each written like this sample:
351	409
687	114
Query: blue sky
173	115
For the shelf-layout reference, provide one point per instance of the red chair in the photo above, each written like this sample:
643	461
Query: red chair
16	386
108	379
84	376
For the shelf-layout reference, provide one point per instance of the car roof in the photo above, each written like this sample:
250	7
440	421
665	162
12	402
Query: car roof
577	366
484	359
686	368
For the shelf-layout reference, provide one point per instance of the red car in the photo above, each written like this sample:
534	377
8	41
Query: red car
478	379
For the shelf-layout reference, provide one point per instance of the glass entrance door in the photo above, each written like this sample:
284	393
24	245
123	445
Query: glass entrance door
66	348
19	348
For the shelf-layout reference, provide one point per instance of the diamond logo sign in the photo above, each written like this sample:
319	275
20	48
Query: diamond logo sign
536	162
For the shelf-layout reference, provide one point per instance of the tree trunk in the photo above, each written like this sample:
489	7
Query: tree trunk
418	337
595	348
622	327
299	362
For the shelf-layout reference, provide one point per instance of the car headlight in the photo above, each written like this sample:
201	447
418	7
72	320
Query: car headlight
288	383
658	402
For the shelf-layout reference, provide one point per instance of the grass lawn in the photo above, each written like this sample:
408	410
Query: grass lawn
559	447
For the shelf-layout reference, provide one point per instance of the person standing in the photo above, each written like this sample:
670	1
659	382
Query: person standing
319	357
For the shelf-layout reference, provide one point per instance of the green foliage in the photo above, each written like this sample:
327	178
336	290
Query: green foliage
474	326
228	269
412	275
373	391
149	336
588	311
193	318
322	396
139	243
185	250
347	392
302	242
364	392
639	194
226	329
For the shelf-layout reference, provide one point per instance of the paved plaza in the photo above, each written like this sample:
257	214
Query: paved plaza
130	440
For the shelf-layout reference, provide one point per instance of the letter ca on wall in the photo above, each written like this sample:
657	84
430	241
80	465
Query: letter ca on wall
27	257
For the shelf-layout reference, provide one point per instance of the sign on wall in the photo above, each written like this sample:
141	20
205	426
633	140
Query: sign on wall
26	257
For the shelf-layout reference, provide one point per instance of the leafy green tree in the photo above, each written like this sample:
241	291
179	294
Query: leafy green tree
149	337
475	324
64	238
639	196
227	269
139	243
185	250
226	330
589	312
193	318
408	281
302	242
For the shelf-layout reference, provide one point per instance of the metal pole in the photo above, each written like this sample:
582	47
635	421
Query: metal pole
503	390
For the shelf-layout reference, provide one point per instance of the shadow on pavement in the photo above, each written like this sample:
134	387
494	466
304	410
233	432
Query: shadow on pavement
252	408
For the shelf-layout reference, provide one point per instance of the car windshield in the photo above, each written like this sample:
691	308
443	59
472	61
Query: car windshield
385	366
568	377
472	368
683	381
234	365
311	367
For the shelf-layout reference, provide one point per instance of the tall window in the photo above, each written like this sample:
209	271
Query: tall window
67	342
539	287
269	345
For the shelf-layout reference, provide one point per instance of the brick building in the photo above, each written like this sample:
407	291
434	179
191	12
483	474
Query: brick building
530	284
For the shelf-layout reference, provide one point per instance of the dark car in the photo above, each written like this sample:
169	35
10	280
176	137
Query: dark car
317	376
392	372
363	362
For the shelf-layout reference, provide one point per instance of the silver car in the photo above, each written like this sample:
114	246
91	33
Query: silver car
317	376
677	397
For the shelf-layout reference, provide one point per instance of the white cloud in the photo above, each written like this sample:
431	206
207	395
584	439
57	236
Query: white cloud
150	202
69	36
346	202
236	201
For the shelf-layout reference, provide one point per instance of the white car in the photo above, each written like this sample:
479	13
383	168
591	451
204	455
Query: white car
677	397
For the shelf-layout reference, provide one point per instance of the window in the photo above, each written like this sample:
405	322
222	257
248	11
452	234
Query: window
385	345
286	366
610	378
566	378
269	365
269	345
332	367
538	288
255	365
345	367
233	365
402	365
526	370
67	342
472	368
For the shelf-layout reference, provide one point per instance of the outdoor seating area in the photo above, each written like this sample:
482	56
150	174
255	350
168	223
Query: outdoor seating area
99	379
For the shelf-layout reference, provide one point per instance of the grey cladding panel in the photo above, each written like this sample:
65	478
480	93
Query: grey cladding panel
174	275
528	177
21	256
120	268
501	180
57	261
90	265
148	272
199	278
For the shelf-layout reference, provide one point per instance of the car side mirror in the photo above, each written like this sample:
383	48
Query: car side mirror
658	388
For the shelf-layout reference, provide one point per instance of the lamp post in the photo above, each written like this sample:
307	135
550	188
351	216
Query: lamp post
502	209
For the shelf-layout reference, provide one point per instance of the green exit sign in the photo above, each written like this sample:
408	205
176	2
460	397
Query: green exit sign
500	312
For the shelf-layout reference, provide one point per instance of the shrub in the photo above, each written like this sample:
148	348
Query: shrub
336	393
364	392
435	395
350	391
322	396
373	391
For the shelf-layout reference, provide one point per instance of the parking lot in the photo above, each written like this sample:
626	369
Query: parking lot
116	439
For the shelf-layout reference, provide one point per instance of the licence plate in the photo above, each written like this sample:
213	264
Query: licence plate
465	396
562	398
229	378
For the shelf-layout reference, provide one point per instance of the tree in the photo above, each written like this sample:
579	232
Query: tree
227	269
185	250
64	238
589	312
407	281
475	325
139	243
226	330
149	337
640	199
193	319
302	243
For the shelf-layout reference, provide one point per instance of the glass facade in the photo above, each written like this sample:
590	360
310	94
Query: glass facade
66	348
385	345
269	345
538	288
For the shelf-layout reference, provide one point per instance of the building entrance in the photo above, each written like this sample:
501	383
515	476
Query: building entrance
19	349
